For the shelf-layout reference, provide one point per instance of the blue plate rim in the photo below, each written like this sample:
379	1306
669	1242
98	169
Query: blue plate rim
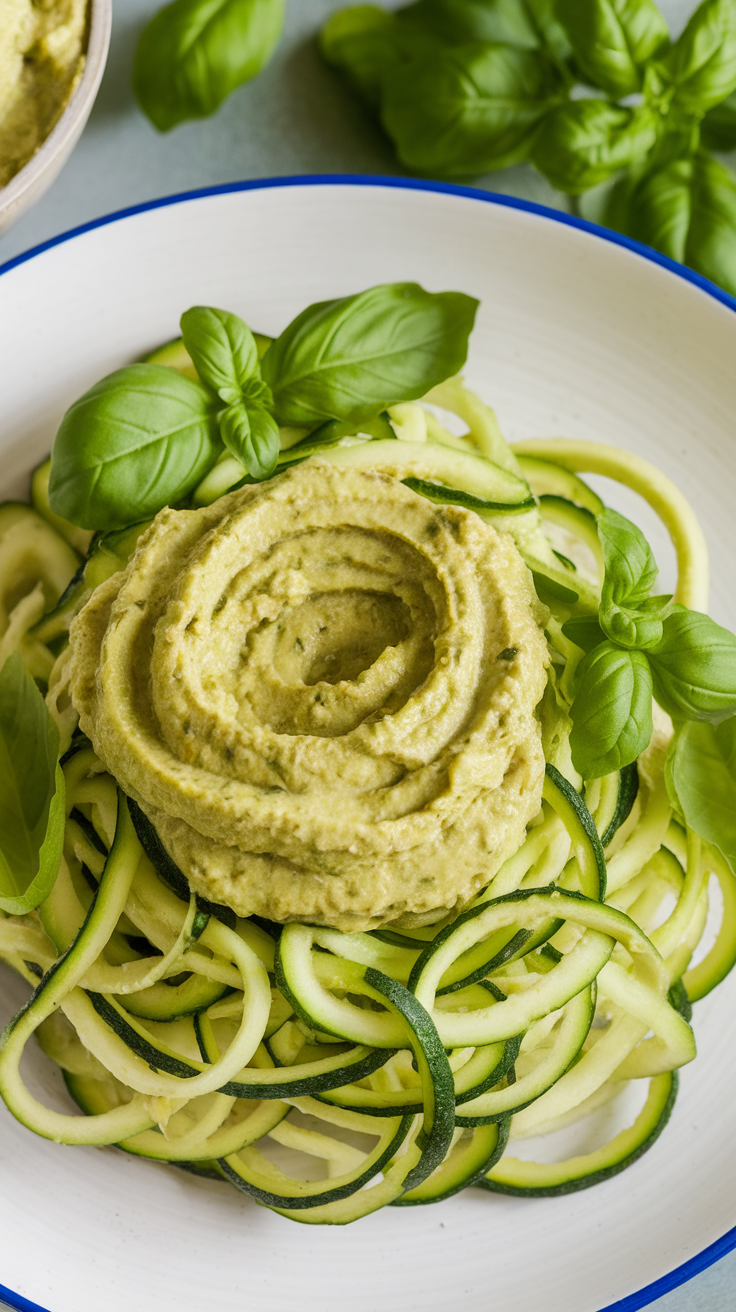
727	1242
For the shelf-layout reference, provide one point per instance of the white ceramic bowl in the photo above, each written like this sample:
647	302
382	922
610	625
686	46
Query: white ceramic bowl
36	176
576	334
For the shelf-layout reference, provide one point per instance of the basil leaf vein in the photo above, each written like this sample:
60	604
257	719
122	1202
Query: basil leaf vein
353	357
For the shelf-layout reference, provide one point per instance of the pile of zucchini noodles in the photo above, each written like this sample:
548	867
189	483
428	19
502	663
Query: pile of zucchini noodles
397	1064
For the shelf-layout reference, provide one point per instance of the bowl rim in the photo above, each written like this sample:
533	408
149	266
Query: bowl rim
727	1242
100	27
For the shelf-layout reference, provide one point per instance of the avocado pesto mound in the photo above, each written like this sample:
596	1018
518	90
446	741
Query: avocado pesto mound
41	62
322	690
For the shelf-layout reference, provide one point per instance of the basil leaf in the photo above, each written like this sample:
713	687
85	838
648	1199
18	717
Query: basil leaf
613	40
612	710
584	142
718	129
627	614
584	631
701	779
701	65
630	567
140	439
349	359
193	53
553	36
711	240
457	111
360	42
252	435
32	813
458	21
686	210
694	667
222	348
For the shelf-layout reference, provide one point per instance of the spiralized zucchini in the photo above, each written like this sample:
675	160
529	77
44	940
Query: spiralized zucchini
392	1066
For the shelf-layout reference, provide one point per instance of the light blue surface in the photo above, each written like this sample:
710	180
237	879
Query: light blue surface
296	118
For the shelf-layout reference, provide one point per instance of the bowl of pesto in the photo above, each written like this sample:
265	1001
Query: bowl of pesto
52	58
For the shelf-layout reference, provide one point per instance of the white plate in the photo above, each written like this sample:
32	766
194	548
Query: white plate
578	335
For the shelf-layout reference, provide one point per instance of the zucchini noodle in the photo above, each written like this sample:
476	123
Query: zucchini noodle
396	1063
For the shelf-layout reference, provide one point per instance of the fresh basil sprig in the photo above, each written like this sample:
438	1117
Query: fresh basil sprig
146	435
467	86
32	814
194	53
640	645
350	358
225	355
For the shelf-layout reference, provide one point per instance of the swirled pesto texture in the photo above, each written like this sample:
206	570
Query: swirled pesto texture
322	690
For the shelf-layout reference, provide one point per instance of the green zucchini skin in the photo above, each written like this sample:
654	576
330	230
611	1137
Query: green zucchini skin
238	1173
628	791
477	1113
575	1174
113	1015
295	1086
164	1001
576	817
546	478
439	1106
466	1164
456	497
284	1083
167	869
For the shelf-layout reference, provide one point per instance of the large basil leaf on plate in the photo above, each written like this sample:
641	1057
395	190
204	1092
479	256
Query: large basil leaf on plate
32	813
694	667
350	358
612	710
140	439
